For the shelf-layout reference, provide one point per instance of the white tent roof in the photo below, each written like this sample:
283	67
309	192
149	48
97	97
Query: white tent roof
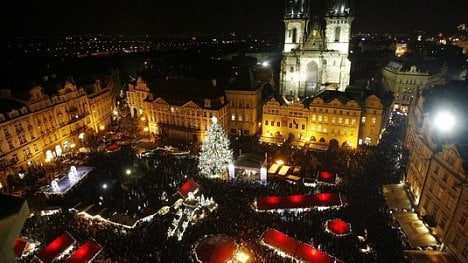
396	196
415	229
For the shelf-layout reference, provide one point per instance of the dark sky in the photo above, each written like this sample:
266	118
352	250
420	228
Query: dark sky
51	17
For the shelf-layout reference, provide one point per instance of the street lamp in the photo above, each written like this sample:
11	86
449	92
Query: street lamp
128	172
104	186
444	121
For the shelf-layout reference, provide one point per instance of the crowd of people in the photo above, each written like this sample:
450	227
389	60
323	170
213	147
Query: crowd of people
158	177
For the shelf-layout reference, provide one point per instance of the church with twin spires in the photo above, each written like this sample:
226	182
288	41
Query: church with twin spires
315	55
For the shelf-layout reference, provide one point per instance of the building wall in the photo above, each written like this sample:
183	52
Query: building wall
341	25
46	127
187	123
321	122
406	84
244	111
436	178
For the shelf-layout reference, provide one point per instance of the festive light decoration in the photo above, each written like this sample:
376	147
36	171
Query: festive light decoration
215	152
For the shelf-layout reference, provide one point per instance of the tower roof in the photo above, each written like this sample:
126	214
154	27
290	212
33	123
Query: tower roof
340	8
296	9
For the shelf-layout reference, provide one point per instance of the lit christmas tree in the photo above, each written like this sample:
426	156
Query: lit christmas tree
215	153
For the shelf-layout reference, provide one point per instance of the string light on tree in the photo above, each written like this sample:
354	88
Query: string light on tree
215	153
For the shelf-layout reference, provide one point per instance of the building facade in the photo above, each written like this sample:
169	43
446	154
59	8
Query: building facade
437	175
37	128
314	58
331	118
405	79
180	109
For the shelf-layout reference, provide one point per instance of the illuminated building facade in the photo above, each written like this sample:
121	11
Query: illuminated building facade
38	127
405	79
436	173
179	109
330	118
314	59
245	104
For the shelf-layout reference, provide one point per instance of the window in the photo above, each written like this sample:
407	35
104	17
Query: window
363	119
294	35
291	69
353	121
373	120
333	120
462	219
290	125
233	117
266	123
320	118
443	221
303	126
278	124
340	120
444	177
440	193
456	239
346	121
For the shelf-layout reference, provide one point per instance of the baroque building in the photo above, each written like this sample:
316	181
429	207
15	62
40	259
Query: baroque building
37	126
437	172
406	79
315	56
329	119
182	108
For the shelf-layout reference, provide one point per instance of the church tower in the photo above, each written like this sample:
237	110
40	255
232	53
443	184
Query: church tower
295	24
338	25
316	60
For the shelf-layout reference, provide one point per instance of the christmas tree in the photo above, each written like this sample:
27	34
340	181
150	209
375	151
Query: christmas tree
215	153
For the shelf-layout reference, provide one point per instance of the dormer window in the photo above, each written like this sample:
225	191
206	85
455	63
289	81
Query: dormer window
207	103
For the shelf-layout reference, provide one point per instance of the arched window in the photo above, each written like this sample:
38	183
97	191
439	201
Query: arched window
337	33
294	35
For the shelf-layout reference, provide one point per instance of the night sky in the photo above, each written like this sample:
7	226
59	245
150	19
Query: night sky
33	17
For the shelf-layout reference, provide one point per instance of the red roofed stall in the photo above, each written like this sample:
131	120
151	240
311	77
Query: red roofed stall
298	201
85	253
55	248
19	246
326	177
187	187
293	248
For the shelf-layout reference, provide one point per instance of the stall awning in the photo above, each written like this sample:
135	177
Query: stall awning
415	229
396	197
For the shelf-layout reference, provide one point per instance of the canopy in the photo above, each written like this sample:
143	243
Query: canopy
56	248
326	177
274	168
338	227
396	197
85	253
293	248
298	201
424	256
417	233
215	249
20	245
284	170
187	187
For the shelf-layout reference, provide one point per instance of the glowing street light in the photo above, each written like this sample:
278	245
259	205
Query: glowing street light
128	172
444	121
104	186
242	257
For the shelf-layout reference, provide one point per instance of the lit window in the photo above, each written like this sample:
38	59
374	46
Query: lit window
233	117
346	121
373	120
363	119
340	120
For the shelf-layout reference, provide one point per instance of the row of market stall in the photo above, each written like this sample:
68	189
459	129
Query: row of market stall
59	248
